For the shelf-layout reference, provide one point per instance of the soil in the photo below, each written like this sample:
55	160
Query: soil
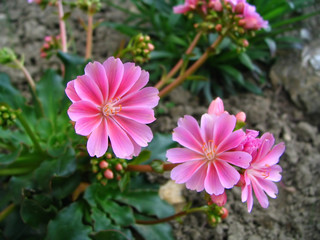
294	214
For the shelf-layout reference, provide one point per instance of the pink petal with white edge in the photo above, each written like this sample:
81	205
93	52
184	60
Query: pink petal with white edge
269	187
146	98
88	90
223	127
183	172
260	194
85	126
136	148
191	124
244	192
186	139
140	83
237	158
212	182
114	71
274	173
267	141
97	73
250	198
273	156
97	144
196	182
207	127
216	107
141	115
228	175
139	132
180	155
71	92
131	75
233	141
121	144
82	109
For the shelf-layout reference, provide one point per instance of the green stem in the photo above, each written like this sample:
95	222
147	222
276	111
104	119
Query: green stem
29	131
179	80
179	214
5	212
32	85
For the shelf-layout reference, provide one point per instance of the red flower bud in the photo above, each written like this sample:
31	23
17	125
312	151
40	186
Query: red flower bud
108	174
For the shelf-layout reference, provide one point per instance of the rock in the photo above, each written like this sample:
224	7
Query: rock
306	132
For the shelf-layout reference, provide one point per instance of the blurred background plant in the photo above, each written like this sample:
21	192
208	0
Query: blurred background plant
227	72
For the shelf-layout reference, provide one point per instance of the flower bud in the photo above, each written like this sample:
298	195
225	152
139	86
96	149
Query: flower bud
218	27
150	46
239	8
108	155
224	213
103	164
118	167
241	116
108	174
245	43
219	200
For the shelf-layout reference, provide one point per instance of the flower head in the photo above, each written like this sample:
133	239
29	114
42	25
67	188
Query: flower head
208	154
109	101
262	172
190	5
252	19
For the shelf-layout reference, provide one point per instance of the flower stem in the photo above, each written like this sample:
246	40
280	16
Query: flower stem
5	212
178	65
148	168
62	27
89	35
29	131
179	80
179	214
32	85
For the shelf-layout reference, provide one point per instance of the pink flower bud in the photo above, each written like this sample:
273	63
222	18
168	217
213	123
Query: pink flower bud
242	22
224	213
239	8
241	117
216	107
215	5
108	174
43	54
118	167
147	38
146	50
109	155
220	200
245	43
103	164
46	46
47	38
150	46
218	27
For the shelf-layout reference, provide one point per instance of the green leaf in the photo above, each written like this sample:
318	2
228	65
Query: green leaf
155	232
96	193
232	72
34	214
161	54
68	224
159	146
147	202
51	91
64	186
100	220
143	156
8	94
246	60
112	234
124	181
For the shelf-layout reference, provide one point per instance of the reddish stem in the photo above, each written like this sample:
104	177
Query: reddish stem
191	69
148	168
89	36
62	27
162	220
178	65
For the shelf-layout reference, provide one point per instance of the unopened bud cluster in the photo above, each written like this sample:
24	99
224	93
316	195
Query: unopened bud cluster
141	48
216	214
108	169
50	47
90	6
7	116
7	56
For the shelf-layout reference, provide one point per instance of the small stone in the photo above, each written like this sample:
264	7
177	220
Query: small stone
306	132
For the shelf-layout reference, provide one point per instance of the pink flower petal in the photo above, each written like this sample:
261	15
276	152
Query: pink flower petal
121	144
85	126
88	90
140	133
183	172
186	139
244	192
131	75
180	155
191	124
196	182
97	144
250	198
98	74
233	141
258	191
274	173
212	182
140	83
141	115
269	187
273	156
237	158
146	97
114	71
181	9
82	109
228	175
267	140
71	92
207	127
223	127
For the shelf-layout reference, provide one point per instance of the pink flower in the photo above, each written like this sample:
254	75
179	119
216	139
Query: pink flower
262	173
190	5
109	101
252	19
208	153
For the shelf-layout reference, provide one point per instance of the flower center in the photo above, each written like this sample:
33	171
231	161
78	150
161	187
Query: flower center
209	150
111	108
